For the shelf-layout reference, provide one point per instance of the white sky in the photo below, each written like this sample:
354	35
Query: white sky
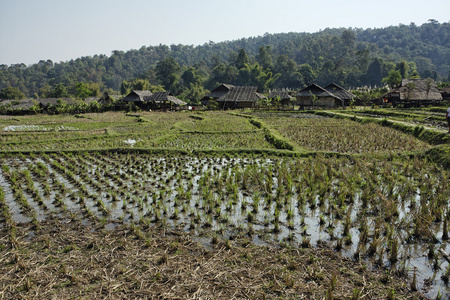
60	30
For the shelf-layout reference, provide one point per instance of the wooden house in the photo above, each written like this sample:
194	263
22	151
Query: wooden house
316	96
240	97
342	93
413	92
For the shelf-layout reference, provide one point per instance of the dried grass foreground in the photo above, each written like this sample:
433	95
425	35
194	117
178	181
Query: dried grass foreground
62	260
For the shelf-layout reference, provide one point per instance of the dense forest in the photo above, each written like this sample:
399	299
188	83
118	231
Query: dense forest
351	57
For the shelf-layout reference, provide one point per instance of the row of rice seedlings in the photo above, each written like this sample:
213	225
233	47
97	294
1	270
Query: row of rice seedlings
136	200
5	212
13	178
303	181
75	195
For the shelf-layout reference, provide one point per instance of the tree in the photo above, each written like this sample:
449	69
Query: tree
393	79
59	91
167	72
307	73
242	59
141	85
255	75
403	67
194	93
314	99
348	38
264	57
375	72
190	77
11	93
82	91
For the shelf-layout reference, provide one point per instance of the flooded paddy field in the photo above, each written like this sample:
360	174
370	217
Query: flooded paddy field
296	183
391	215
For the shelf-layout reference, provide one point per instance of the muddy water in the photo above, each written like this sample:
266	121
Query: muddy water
183	192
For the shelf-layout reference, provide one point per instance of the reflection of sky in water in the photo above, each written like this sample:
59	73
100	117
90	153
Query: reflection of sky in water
130	142
38	128
146	187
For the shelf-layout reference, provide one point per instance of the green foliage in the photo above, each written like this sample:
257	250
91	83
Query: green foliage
167	72
393	79
349	57
85	90
11	93
255	75
137	84
59	91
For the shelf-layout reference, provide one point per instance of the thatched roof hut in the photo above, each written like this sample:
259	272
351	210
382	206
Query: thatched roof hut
137	96
25	104
315	95
414	92
165	97
218	92
240	97
46	102
342	93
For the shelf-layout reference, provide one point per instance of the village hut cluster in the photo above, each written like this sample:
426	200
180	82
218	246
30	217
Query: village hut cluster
411	92
232	97
154	101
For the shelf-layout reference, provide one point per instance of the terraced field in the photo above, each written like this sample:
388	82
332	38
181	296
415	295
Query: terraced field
366	192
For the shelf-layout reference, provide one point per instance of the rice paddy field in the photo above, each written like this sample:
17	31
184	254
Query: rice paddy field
220	205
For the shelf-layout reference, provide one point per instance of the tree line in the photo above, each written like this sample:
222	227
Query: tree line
350	57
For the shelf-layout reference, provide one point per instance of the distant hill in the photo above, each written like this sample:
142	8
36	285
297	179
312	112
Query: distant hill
348	56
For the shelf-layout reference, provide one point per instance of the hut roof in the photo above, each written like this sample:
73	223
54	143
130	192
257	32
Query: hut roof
316	90
242	94
18	104
417	89
136	96
340	92
165	96
54	101
283	95
219	91
92	99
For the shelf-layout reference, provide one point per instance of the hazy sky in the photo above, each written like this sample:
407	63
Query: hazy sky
60	30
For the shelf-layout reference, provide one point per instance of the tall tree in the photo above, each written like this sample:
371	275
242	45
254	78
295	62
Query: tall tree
59	91
307	73
264	57
242	59
167	72
403	67
374	73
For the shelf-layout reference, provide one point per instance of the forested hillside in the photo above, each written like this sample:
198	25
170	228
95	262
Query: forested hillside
349	57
